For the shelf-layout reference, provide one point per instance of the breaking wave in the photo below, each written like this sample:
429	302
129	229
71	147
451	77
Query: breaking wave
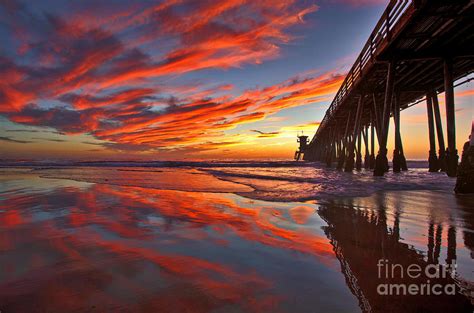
265	180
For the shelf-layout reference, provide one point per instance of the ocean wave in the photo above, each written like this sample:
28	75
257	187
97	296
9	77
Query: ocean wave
319	182
271	181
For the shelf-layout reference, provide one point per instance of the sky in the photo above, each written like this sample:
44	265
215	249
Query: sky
182	79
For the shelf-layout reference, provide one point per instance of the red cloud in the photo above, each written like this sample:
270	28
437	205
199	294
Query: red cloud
122	97
108	84
123	119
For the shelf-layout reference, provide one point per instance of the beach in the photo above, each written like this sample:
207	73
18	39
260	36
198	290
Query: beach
227	237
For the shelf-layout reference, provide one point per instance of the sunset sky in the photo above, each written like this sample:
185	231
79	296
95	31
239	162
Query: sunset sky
182	79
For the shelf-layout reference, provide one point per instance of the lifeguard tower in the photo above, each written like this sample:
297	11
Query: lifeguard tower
303	141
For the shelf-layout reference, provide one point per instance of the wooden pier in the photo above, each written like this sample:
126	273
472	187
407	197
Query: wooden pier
416	51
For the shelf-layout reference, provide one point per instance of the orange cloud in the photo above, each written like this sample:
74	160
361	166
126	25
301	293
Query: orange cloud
126	117
110	88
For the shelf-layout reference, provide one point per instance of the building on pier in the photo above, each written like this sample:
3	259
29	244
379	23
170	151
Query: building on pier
303	141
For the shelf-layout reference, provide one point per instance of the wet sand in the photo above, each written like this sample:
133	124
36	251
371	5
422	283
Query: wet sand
195	240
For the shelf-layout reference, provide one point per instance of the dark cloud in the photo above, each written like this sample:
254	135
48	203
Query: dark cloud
265	134
33	131
62	119
8	139
92	143
50	139
124	97
118	146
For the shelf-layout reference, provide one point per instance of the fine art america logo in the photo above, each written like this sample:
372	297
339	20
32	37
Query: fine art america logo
414	279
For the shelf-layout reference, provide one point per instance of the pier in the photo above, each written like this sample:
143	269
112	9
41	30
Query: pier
417	50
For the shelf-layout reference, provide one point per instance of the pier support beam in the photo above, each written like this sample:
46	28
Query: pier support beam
372	144
432	159
399	161
465	180
339	149
330	146
439	132
452	153
381	162
350	155
376	118
365	133
329	155
349	166
342	155
359	150
396	151
403	160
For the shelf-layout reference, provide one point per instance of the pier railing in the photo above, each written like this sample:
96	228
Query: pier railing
380	36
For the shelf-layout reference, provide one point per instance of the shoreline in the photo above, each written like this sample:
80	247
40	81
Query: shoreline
265	183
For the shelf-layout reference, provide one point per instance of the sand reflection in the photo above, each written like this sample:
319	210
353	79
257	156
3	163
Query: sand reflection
68	246
103	247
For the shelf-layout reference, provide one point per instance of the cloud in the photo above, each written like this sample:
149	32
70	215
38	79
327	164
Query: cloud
110	72
288	131
50	139
33	131
126	119
62	119
125	97
265	134
8	139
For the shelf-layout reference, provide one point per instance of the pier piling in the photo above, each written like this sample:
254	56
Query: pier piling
381	162
349	166
372	144
432	158
452	155
359	151
366	144
439	132
398	157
